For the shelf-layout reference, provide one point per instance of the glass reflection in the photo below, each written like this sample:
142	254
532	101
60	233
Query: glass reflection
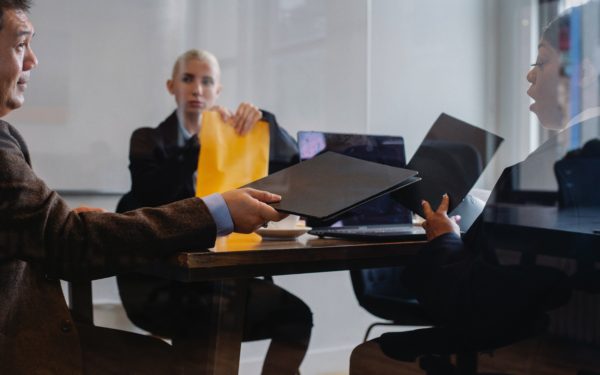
565	170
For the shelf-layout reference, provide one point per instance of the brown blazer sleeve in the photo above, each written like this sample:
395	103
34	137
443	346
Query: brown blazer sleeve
37	226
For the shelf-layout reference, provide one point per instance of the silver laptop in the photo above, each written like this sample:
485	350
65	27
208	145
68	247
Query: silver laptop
381	219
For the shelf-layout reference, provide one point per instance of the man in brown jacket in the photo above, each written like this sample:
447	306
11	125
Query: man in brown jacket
42	240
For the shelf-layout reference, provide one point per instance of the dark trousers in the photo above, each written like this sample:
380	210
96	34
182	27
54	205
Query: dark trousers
172	309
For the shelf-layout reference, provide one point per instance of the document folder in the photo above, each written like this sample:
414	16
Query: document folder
331	184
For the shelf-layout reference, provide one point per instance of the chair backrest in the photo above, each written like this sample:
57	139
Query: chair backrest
381	292
127	203
379	282
578	181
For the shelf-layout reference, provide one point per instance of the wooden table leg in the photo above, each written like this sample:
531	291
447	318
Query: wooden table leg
219	353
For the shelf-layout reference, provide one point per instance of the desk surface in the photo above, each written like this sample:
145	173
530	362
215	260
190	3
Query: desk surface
546	230
584	220
241	257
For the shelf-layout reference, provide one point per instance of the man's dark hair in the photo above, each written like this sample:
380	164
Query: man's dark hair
23	5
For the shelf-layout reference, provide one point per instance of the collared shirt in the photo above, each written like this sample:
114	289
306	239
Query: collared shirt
215	202
220	213
183	135
584	116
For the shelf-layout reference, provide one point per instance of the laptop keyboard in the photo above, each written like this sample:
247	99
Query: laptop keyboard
371	231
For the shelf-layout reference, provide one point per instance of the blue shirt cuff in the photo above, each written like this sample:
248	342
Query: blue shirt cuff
220	213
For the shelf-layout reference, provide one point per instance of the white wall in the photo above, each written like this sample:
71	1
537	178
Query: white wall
103	67
467	58
375	66
427	57
516	48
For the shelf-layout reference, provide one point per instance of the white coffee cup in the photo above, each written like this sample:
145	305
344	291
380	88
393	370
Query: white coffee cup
289	222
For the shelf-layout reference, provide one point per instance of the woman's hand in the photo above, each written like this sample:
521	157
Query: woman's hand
225	113
244	118
437	222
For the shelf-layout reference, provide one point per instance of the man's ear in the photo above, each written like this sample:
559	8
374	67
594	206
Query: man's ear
171	86
589	73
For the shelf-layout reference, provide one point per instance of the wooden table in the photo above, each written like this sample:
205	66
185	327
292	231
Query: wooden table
234	260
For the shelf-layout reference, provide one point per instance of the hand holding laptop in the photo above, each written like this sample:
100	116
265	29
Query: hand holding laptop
249	208
330	184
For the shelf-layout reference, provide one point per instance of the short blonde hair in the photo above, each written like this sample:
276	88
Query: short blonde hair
195	54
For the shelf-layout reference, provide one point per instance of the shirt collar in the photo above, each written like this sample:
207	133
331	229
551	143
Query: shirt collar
183	135
584	116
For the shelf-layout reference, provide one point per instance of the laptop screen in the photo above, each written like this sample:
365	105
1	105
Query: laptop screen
387	150
449	160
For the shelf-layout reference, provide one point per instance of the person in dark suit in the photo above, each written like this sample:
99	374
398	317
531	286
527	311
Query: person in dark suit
163	163
42	241
458	279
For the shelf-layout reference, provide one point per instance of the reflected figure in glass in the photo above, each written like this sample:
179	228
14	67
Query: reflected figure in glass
549	204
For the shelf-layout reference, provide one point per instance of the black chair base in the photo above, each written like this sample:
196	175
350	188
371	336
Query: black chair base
380	324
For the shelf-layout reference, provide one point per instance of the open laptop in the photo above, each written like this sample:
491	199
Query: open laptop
381	219
450	160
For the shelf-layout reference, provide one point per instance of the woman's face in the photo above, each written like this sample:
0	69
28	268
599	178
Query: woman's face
195	86
549	89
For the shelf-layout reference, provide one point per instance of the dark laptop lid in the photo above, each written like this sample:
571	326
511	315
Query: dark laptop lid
383	149
331	184
449	160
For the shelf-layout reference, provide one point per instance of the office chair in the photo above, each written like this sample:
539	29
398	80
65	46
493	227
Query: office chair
433	347
578	180
519	317
381	293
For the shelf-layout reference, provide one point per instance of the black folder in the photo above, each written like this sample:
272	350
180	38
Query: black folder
331	184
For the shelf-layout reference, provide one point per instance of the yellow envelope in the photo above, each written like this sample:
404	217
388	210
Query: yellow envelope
228	160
